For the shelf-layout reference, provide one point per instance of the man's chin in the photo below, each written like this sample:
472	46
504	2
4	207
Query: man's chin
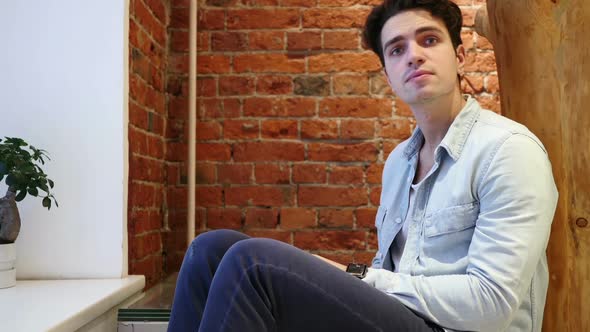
423	98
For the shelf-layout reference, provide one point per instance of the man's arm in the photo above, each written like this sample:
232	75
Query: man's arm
517	202
331	262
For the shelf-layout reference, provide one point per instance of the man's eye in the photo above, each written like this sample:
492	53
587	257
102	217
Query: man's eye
430	40
396	51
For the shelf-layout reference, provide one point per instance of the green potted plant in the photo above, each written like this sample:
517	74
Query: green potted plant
21	171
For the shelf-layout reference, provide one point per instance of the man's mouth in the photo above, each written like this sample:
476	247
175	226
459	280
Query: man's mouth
418	73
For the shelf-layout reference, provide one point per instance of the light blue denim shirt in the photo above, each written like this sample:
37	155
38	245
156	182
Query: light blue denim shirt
474	258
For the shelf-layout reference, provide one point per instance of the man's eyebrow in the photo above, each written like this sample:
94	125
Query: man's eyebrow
418	31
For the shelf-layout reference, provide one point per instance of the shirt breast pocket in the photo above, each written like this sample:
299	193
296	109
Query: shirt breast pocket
448	233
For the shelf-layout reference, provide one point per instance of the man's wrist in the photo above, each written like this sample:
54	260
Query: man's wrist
357	270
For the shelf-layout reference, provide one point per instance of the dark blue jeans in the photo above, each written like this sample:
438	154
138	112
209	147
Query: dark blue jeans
231	282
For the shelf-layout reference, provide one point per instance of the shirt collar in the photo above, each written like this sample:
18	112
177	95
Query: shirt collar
455	138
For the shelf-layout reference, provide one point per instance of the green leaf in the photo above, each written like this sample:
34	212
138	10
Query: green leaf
29	168
10	180
21	195
46	203
33	191
20	170
43	187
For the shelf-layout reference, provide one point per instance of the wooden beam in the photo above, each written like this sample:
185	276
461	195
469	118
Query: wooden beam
543	56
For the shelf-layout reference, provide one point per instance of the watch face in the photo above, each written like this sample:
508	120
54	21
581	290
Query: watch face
357	270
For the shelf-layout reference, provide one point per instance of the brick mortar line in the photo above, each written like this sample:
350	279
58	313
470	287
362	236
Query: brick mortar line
151	184
166	8
147	84
150	232
147	33
149	60
150	11
146	109
152	158
146	209
139	260
145	131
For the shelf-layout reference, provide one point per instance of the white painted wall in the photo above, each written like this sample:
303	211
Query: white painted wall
63	88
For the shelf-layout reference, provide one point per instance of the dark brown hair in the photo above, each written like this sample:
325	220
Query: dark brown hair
446	10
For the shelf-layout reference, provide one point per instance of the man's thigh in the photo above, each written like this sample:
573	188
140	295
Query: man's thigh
303	293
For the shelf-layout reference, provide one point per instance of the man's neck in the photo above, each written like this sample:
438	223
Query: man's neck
436	116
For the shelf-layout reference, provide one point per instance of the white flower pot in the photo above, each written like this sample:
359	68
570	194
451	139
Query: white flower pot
7	265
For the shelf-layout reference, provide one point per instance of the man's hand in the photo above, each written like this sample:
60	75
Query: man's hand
338	265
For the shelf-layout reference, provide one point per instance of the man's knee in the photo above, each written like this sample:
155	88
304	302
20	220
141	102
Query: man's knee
212	237
254	250
214	242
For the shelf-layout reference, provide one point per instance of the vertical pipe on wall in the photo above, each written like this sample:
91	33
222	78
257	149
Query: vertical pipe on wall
192	122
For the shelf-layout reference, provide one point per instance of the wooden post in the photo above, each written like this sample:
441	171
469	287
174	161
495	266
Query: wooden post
543	56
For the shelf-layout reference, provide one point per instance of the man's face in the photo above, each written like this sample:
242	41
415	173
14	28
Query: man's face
420	61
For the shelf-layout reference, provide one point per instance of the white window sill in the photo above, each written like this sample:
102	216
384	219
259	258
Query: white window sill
63	305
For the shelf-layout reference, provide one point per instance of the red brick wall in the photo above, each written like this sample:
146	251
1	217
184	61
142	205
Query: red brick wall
148	61
295	120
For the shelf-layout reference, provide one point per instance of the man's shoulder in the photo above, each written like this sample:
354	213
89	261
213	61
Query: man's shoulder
501	124
495	127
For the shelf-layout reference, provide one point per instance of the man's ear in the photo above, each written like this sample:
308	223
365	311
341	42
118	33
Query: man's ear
460	59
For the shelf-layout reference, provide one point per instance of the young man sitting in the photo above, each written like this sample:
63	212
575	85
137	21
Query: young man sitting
466	209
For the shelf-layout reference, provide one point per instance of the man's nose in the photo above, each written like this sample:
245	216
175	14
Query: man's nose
415	54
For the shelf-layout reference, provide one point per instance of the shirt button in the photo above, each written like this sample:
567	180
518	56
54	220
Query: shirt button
398	220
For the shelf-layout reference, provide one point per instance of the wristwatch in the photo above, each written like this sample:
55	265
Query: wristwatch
357	270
